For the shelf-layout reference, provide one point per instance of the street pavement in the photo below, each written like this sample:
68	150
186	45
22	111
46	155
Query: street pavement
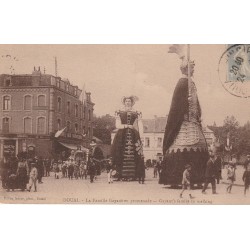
79	191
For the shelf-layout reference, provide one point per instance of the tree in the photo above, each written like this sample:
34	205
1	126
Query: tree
103	127
244	139
230	125
239	136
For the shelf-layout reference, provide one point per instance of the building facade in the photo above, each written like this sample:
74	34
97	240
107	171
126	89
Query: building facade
153	135
33	107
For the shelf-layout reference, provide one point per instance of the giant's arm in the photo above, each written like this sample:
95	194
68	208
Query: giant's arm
118	123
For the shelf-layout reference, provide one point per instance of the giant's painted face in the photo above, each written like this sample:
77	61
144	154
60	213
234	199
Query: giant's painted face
128	103
184	70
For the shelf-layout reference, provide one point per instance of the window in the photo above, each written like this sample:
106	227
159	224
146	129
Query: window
147	142
57	83
8	83
76	128
27	102
159	142
68	108
6	125
84	130
6	102
27	125
41	125
62	85
76	110
59	104
41	101
68	126
58	124
67	87
84	112
89	115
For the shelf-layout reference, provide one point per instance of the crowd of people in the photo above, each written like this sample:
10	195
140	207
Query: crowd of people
213	175
25	174
21	173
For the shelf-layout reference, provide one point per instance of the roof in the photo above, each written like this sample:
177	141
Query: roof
156	125
206	129
97	139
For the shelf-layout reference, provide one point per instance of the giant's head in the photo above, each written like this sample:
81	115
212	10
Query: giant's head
129	101
184	67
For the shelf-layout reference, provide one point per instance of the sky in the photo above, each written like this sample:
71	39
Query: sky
110	72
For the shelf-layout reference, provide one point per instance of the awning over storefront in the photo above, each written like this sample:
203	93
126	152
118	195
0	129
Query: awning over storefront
73	146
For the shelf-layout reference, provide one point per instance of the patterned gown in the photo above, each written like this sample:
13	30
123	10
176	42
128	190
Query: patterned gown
127	147
184	141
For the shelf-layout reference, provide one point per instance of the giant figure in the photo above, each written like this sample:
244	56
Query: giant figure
127	151
184	142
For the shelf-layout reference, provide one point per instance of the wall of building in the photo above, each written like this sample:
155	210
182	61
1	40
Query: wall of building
63	114
17	113
50	88
153	143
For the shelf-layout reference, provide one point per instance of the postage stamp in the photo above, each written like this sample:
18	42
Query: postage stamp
234	70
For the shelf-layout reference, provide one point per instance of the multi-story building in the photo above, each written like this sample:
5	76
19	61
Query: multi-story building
153	134
152	137
33	107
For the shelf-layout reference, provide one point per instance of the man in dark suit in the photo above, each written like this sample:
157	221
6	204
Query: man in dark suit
218	166
210	174
91	169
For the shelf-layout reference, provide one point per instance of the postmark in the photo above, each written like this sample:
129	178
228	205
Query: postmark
234	70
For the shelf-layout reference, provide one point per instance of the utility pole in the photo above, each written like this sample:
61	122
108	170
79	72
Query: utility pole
55	66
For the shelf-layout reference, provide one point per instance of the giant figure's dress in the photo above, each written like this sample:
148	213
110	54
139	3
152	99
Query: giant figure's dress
184	141
127	146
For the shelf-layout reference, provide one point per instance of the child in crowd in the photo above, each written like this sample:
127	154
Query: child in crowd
56	170
109	172
186	180
81	170
85	167
231	176
71	166
76	171
64	169
33	177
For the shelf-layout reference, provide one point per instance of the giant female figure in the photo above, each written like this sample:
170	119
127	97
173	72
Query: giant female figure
184	141
127	152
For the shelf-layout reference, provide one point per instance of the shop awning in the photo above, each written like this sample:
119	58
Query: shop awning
73	146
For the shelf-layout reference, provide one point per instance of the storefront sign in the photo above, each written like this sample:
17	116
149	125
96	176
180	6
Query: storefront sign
72	135
9	147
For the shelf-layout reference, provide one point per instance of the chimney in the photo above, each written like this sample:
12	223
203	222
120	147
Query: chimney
36	72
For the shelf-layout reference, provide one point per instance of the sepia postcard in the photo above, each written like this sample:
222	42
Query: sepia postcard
125	124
